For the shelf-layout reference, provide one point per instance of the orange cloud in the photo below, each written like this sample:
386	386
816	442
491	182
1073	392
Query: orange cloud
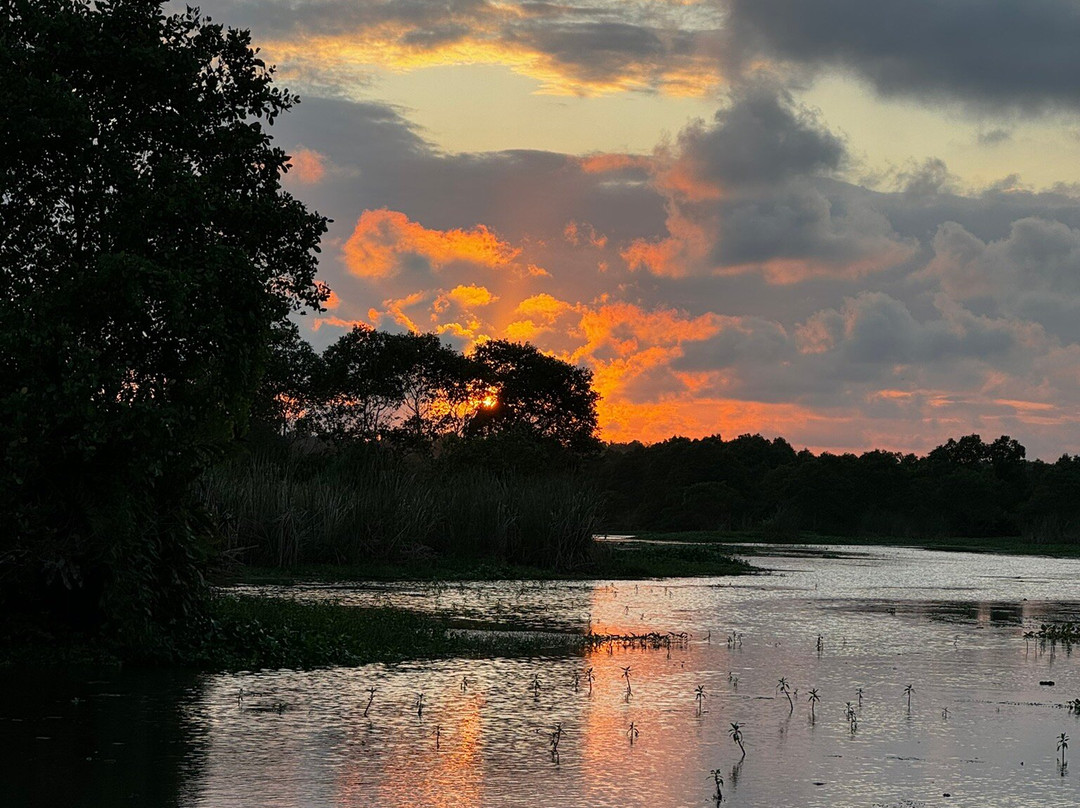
490	38
584	234
472	295
694	417
336	322
383	237
395	309
333	301
602	163
623	326
543	306
674	257
522	331
307	166
785	271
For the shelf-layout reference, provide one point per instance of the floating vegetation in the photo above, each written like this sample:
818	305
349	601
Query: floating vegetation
1066	633
652	641
1073	706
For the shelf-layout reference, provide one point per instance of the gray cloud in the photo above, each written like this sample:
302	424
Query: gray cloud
994	136
946	350
1014	54
762	137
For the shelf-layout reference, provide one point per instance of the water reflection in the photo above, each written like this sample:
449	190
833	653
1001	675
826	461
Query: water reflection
856	629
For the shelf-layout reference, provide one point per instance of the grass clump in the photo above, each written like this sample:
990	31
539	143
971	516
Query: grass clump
240	632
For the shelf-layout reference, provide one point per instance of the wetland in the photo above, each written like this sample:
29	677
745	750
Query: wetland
927	693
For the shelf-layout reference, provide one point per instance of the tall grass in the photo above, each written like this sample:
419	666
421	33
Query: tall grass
282	510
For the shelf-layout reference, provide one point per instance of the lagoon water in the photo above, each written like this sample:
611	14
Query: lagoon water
951	625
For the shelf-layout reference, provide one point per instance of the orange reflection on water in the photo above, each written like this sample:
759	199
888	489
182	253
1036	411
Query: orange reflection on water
638	773
448	770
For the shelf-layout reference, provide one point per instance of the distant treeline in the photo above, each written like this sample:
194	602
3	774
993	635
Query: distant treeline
398	448
965	487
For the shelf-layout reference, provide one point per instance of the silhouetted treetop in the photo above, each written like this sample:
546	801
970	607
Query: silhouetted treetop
147	252
537	393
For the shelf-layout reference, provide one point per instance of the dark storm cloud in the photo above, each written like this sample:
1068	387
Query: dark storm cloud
1021	54
762	137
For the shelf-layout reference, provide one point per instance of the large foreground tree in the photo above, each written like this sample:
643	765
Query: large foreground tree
147	250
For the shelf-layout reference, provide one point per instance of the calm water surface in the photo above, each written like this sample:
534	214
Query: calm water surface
949	624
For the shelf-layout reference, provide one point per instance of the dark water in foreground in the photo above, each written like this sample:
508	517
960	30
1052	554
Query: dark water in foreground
949	625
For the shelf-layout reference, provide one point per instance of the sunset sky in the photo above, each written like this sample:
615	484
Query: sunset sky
852	224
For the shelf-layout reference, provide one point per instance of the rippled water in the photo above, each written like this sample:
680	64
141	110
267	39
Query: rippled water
950	625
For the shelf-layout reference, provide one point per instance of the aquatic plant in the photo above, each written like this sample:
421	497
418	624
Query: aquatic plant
699	697
464	683
782	687
535	686
590	678
1062	745
718	780
438	735
858	692
632	733
852	717
820	644
1067	632
419	705
908	691
651	641
813	698
945	713
370	698
626	676
553	743
736	736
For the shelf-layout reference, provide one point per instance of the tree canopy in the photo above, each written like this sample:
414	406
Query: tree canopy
148	251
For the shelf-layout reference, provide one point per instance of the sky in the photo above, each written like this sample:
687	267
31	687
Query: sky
854	225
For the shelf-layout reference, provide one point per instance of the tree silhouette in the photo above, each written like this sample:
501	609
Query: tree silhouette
535	393
410	387
147	252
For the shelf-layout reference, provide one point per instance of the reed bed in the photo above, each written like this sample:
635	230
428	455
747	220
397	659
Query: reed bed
288	511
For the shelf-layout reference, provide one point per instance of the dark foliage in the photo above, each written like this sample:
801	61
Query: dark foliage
146	253
964	488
